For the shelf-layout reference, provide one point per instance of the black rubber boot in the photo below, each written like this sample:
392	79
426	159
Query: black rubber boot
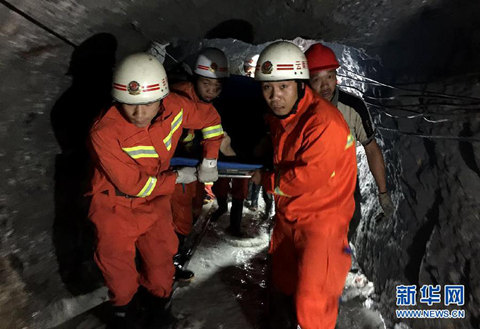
181	274
123	317
183	253
268	198
222	208
281	311
236	218
159	313
179	260
254	193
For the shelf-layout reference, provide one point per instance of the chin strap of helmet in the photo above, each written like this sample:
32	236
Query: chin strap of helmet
301	93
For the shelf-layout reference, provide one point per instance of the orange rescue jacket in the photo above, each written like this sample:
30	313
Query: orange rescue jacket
187	89
314	162
136	161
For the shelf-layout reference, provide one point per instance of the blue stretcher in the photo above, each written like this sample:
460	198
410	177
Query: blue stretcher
225	169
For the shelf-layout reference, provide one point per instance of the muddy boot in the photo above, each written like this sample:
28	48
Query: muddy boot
222	208
236	218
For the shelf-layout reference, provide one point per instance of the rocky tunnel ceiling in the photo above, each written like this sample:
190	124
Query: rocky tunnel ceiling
433	167
411	37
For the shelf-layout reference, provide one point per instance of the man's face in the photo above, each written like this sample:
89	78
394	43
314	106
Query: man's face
208	89
324	82
141	115
280	95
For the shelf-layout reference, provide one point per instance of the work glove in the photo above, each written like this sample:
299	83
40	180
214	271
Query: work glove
386	203
186	175
207	171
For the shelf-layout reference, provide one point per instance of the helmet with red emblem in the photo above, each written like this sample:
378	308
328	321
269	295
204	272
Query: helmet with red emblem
212	63
281	60
139	79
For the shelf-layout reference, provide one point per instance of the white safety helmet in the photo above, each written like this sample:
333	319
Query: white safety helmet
247	67
281	60
212	63
251	61
139	79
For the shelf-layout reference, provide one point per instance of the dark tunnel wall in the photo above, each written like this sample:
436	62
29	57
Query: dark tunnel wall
435	42
46	90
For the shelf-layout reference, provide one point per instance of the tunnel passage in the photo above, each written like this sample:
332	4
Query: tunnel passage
428	124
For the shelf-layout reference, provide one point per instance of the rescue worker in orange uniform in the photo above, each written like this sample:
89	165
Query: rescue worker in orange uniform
313	181
211	68
132	145
323	65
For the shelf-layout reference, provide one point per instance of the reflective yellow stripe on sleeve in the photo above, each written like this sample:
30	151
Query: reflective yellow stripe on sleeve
177	121
141	151
148	188
212	131
350	141
189	137
279	192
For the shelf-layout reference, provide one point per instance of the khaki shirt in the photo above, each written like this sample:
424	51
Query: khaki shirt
356	115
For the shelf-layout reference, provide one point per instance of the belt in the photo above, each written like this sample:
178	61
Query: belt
120	193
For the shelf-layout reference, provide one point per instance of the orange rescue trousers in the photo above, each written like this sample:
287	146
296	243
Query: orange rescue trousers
311	263
125	225
187	202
